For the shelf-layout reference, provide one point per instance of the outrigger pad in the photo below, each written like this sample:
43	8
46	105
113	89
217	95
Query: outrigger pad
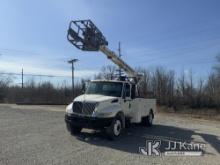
85	35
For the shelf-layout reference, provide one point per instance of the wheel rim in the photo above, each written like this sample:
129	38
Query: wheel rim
117	127
150	118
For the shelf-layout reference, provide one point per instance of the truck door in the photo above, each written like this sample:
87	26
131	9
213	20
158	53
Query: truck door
133	106
126	105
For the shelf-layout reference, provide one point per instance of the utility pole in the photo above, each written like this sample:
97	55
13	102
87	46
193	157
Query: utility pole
119	54
22	78
72	61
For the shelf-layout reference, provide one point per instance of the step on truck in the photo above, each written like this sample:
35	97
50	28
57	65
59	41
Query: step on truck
109	105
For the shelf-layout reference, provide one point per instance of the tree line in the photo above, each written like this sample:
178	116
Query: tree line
168	88
36	93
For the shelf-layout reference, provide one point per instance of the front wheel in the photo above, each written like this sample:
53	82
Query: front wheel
115	129
73	129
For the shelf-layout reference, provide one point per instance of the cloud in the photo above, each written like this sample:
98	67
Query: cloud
16	68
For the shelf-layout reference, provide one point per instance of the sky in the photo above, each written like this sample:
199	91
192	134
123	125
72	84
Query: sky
175	34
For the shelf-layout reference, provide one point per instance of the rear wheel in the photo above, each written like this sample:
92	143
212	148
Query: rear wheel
148	120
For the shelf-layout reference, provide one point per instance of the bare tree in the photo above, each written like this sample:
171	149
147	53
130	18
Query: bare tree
144	84
217	66
107	72
5	82
182	84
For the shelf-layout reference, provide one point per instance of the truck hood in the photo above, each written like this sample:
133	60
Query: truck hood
93	98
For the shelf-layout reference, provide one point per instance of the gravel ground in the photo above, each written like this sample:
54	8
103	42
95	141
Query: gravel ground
37	135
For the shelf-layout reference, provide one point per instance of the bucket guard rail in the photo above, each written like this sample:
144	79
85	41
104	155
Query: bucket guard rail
84	35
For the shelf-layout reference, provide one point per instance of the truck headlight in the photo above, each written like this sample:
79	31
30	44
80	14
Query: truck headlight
69	108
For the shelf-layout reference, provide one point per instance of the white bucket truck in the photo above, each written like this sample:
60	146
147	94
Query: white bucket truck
106	104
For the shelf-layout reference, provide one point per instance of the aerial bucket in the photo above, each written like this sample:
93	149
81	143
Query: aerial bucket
84	35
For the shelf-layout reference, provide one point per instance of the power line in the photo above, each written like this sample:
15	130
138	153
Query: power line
184	49
22	78
72	61
171	33
174	54
18	51
28	74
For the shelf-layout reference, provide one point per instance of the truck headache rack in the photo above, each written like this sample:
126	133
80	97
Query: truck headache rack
85	35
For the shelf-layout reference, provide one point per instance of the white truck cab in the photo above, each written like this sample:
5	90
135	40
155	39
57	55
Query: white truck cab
109	105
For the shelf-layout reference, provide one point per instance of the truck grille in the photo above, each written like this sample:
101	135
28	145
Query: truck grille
84	107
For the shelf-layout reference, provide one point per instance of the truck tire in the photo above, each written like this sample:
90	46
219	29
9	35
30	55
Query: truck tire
148	120
116	127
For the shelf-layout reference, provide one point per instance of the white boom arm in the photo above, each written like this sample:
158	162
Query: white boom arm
119	62
87	37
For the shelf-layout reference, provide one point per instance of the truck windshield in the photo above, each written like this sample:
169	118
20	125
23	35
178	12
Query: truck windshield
105	88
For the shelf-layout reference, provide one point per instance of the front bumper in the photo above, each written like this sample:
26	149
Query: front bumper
87	122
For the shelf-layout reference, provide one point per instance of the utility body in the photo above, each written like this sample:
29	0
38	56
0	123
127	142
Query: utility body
110	105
